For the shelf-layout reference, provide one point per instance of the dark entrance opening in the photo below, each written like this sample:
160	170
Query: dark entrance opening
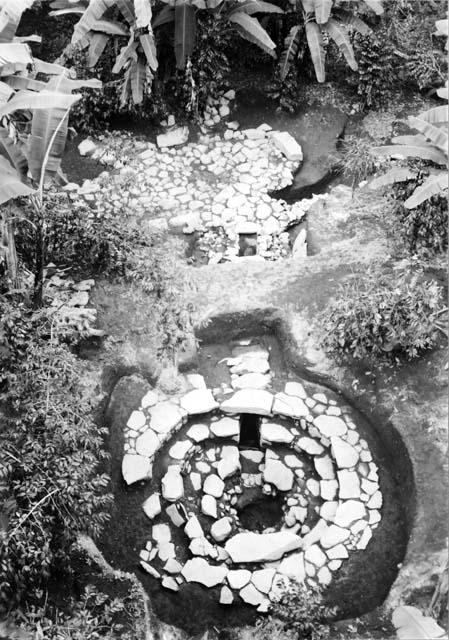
249	430
262	513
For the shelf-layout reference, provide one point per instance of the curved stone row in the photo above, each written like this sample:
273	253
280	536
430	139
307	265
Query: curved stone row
253	565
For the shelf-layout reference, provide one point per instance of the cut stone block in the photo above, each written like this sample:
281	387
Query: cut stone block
287	145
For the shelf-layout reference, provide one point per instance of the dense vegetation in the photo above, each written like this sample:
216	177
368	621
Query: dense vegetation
148	60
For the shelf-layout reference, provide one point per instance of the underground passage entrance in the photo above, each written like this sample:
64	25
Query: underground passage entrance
249	430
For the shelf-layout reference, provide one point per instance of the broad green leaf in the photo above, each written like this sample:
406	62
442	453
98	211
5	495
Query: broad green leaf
137	76
412	151
94	12
23	82
437	115
63	12
165	15
126	87
30	100
397	174
339	35
10	184
412	625
149	47
6	90
98	42
142	9
10	15
354	22
14	56
432	186
290	51
250	29
316	47
126	8
126	53
443	92
13	150
256	6
416	140
437	136
52	69
323	10
111	27
375	5
185	31
30	38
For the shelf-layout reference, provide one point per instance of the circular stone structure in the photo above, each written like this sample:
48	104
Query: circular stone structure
309	460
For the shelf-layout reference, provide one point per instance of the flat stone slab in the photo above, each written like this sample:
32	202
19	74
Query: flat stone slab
152	506
345	455
286	143
166	417
198	401
172	484
237	578
199	570
148	443
271	432
135	468
330	426
256	401
289	406
278	474
258	547
225	428
198	432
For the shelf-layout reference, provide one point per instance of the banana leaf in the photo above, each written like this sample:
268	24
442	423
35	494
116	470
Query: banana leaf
415	140
185	31
412	151
250	29
126	8
126	53
10	15
256	6
443	92
149	47
412	625
143	12
94	12
316	47
13	150
397	174
52	69
30	100
5	91
323	10
10	184
165	15
437	115
436	135
375	5
137	76
14	56
63	12
30	38
290	51
340	36
432	186
98	42
354	22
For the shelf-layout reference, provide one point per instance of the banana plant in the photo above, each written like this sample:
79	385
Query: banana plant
141	27
324	17
411	624
35	101
429	144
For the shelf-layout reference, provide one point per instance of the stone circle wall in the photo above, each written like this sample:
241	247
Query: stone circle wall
208	474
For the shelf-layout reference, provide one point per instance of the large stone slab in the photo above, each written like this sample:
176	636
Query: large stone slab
330	426
172	138
199	570
346	456
287	145
172	484
278	474
147	444
198	401
256	401
271	432
166	417
258	547
135	468
289	406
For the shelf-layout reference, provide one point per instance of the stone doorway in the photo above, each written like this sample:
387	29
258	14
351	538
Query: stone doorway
249	430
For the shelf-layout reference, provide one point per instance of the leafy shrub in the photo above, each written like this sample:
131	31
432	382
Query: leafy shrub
423	229
95	616
303	613
376	78
357	159
383	315
49	456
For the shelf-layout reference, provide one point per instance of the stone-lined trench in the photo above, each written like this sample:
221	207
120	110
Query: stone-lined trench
356	583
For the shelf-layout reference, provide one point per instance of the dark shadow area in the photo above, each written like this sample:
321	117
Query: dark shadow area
249	430
261	514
